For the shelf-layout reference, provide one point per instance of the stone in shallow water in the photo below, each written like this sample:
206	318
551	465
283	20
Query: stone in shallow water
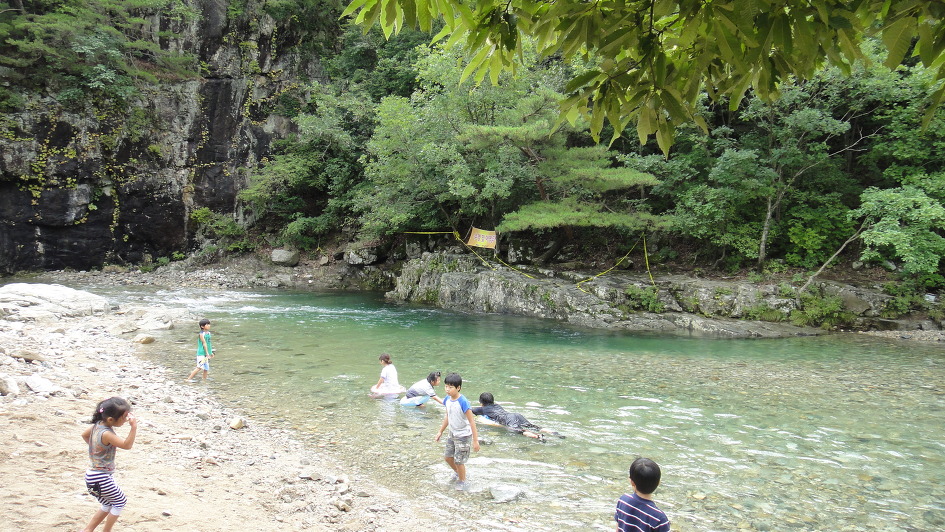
502	493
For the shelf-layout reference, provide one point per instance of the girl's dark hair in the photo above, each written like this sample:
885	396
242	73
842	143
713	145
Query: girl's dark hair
113	407
385	357
433	376
486	398
203	322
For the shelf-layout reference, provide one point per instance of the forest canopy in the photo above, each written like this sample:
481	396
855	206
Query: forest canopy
650	61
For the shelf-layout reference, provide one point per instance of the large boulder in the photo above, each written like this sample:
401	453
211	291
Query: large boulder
26	301
284	257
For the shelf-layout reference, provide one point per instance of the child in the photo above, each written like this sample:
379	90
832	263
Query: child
515	422
423	390
388	380
459	418
204	350
103	441
638	512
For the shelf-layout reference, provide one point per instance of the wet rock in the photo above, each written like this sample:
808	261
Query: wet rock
144	339
502	493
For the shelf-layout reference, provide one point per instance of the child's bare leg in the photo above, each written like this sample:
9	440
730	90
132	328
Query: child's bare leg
96	520
450	461
109	522
205	374
194	372
461	472
529	433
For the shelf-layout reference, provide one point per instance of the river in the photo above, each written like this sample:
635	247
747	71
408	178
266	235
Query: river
837	432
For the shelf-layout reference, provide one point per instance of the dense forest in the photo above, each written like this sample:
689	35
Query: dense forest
394	134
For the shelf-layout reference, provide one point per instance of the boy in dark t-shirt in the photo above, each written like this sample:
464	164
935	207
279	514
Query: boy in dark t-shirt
516	422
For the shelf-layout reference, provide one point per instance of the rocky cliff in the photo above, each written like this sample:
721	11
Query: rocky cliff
81	188
672	304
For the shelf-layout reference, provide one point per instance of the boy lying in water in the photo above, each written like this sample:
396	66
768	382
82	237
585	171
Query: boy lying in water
515	422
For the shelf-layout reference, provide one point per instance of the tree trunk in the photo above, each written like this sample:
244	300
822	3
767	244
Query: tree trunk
555	248
823	267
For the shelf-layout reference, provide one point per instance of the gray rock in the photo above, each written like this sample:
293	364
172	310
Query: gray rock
144	339
30	356
284	257
8	386
361	256
504	493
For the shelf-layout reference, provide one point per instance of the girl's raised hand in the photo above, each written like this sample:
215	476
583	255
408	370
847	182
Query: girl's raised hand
132	420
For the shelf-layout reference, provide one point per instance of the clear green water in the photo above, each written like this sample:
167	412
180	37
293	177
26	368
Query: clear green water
840	432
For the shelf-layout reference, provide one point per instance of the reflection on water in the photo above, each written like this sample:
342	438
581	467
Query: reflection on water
827	433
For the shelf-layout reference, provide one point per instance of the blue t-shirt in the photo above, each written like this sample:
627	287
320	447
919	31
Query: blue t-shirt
456	414
635	514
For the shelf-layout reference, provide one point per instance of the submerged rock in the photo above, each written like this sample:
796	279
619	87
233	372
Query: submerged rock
503	493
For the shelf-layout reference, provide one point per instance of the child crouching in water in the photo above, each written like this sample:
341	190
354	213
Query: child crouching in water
103	441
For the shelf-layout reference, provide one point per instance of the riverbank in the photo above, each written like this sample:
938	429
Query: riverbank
188	470
252	271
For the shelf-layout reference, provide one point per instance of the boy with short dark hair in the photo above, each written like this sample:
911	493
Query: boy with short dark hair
638	512
515	422
463	434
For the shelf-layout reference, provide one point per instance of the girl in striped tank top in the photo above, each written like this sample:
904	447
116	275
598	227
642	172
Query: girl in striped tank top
103	441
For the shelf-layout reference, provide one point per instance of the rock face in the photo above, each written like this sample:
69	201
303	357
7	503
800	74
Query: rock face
686	305
83	188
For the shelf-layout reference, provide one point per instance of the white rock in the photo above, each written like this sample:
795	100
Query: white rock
237	423
39	384
8	386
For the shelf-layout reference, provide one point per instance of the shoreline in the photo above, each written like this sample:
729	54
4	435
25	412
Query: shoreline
188	469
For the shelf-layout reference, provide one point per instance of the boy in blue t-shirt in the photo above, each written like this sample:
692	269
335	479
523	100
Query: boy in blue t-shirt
463	434
638	512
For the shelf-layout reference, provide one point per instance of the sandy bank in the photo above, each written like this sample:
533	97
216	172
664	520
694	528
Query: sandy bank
188	469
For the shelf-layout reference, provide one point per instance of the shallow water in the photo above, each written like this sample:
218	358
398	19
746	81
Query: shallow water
839	432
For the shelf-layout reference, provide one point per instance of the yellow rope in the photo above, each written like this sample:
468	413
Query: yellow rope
463	242
496	257
609	269
646	259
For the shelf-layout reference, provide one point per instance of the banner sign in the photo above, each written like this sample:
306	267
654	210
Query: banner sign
481	238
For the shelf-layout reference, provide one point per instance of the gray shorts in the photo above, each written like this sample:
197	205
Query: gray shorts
457	448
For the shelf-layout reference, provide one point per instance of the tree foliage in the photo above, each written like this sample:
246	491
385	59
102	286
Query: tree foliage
653	59
78	48
490	155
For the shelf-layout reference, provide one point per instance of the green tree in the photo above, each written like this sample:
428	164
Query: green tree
304	190
906	223
655	58
81	48
491	153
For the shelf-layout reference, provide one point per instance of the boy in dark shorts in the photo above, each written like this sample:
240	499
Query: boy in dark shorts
515	422
463	434
637	512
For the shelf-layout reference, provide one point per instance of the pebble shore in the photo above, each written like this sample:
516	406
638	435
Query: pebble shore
196	465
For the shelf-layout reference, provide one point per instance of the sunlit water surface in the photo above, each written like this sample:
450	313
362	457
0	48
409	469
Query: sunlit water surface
840	432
